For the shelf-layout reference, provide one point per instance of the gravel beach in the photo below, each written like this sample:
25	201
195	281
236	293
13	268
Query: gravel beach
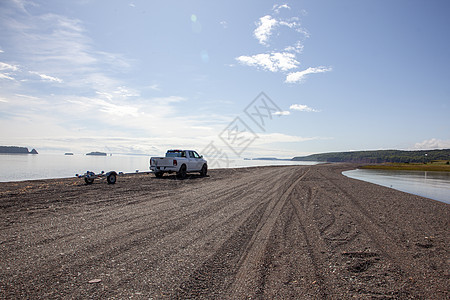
290	232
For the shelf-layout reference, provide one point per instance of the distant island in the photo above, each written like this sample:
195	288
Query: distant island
16	150
379	156
68	153
96	153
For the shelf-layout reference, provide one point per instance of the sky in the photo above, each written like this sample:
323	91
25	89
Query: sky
234	78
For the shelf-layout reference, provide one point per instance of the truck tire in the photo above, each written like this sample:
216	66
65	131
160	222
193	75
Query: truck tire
204	170
111	178
88	180
159	174
182	172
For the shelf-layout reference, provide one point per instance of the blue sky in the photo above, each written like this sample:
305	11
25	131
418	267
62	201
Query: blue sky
143	76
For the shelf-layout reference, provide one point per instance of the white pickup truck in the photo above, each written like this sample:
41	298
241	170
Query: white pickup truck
180	162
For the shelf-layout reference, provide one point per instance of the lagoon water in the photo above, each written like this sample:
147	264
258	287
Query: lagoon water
433	185
19	167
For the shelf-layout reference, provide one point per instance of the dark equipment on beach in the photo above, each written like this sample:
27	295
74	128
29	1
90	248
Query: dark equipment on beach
89	176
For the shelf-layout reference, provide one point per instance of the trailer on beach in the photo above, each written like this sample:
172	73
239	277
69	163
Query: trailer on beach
89	177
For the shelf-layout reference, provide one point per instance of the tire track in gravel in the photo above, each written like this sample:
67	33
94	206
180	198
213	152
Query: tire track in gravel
222	267
246	280
123	237
315	247
363	218
207	228
328	225
134	234
265	233
360	228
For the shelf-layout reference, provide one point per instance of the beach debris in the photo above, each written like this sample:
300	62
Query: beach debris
427	243
96	280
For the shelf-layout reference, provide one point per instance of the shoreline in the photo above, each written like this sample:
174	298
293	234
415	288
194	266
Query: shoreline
96	169
428	184
286	231
409	167
352	166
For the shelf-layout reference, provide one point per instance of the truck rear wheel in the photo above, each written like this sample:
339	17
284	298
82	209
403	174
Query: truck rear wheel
159	174
182	172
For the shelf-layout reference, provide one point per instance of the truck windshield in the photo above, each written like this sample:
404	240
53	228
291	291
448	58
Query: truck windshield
175	153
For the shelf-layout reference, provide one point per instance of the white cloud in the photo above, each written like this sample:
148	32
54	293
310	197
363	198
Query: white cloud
21	4
155	87
47	77
5	66
95	105
125	92
432	144
118	110
274	62
267	25
282	113
283	138
297	47
6	76
27	96
276	8
291	25
298	76
169	99
53	41
302	107
224	24
264	30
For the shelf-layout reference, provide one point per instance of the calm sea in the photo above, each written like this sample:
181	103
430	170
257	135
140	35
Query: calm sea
45	166
433	185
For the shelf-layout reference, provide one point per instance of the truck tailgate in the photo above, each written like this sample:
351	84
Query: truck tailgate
162	161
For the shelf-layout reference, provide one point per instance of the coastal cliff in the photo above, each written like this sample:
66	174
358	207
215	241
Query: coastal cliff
16	150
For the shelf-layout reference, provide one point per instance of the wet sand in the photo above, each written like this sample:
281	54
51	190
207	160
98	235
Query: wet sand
292	232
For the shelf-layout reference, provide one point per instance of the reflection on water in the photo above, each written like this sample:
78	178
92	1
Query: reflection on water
433	185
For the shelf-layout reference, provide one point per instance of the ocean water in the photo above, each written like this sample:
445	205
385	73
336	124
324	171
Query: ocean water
21	167
433	185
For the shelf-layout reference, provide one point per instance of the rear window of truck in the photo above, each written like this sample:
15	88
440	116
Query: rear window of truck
175	153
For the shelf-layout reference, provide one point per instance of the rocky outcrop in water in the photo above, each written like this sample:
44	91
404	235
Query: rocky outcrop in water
16	150
96	153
